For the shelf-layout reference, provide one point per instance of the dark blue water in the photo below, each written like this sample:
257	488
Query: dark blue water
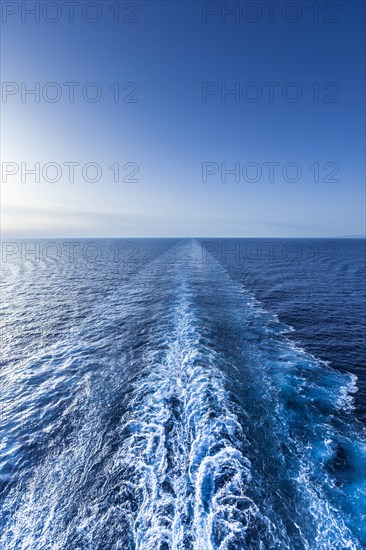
171	394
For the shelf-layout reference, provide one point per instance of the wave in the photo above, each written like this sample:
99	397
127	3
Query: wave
200	426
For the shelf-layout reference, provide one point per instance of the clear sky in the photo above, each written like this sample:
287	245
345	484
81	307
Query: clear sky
298	76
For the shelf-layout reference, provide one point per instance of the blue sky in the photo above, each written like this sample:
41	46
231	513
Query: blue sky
170	134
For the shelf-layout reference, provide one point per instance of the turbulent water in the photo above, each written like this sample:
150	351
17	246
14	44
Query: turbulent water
150	401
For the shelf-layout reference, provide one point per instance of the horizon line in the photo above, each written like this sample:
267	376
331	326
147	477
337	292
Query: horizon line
179	237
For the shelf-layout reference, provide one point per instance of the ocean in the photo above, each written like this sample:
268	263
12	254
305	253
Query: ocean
183	394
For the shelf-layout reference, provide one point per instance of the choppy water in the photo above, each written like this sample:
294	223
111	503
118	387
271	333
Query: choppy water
150	401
